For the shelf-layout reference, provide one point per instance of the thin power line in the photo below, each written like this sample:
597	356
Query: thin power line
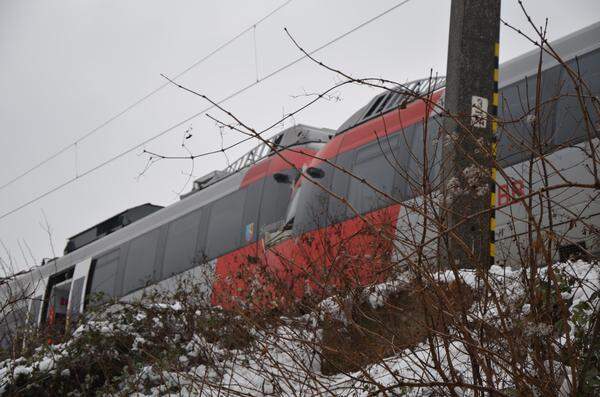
142	99
193	116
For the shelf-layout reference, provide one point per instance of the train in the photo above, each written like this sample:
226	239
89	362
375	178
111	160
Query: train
302	205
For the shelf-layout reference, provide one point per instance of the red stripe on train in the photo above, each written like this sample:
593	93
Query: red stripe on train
275	163
316	264
378	128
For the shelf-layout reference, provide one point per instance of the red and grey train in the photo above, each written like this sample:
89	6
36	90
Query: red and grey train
260	214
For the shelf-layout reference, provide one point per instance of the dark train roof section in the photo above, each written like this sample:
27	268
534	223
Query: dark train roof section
397	97
575	44
110	225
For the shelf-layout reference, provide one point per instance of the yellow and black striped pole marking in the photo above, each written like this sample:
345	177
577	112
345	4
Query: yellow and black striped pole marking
494	114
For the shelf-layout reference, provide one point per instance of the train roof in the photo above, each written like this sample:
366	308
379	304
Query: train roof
568	47
299	134
110	225
393	98
293	136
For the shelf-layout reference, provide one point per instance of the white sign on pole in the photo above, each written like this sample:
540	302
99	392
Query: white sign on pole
479	108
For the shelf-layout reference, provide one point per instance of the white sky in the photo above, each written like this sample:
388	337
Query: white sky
68	66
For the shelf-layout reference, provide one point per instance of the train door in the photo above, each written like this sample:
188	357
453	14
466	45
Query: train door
65	295
77	290
64	299
54	310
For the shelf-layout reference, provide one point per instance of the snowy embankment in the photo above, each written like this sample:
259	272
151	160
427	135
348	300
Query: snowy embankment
179	348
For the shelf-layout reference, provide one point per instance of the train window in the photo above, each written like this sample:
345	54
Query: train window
373	109
510	148
104	270
313	202
416	163
275	144
202	232
375	164
415	160
275	200
180	249
394	98
402	155
571	125
140	261
250	217
384	102
523	130
339	186
34	311
434	150
11	328
224	229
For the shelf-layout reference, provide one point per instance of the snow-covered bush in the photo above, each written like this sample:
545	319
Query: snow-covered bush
391	338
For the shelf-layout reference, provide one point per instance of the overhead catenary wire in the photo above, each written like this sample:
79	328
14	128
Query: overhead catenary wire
142	99
193	116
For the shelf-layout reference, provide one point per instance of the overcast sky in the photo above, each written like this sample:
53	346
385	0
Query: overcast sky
68	66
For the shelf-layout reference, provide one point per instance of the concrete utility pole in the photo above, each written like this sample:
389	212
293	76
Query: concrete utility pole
472	98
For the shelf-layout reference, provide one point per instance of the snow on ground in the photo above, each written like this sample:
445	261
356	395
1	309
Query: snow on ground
285	360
